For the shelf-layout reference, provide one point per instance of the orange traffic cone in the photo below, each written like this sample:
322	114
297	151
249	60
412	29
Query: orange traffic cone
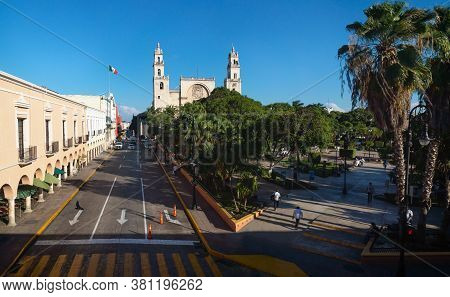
161	219
174	210
149	234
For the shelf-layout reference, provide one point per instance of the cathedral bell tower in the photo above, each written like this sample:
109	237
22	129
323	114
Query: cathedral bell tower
161	95
233	80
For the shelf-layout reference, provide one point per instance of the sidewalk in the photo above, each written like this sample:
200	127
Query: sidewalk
12	239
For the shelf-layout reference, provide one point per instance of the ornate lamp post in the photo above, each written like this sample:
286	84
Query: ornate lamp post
423	114
346	143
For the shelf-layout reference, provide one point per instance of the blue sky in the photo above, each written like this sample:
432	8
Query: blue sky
284	46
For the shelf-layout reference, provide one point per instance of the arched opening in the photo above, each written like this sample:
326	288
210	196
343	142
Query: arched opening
39	174
161	86
7	205
49	169
159	72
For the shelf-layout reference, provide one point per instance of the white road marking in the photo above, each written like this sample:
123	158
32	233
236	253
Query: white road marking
75	218
169	219
122	219
117	241
123	157
143	208
103	209
120	166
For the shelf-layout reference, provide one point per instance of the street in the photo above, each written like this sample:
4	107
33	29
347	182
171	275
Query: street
108	234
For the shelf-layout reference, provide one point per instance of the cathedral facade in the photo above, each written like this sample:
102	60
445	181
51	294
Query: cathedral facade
190	88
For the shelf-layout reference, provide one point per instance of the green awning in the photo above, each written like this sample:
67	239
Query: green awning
59	171
40	184
50	179
23	191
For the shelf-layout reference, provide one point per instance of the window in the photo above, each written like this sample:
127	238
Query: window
47	135
159	59
74	129
161	86
21	141
235	75
159	72
159	97
64	132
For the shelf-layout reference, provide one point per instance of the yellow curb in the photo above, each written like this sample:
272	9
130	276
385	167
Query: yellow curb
329	226
343	243
263	263
50	219
320	253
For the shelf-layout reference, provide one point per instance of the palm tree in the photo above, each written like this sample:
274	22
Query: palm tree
247	186
437	97
383	68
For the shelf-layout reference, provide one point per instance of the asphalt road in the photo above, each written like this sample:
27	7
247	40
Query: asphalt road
109	235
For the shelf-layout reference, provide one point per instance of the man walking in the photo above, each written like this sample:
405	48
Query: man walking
276	199
78	206
297	215
370	191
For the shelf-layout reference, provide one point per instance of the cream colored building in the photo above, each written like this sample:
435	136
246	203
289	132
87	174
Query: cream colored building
190	88
44	137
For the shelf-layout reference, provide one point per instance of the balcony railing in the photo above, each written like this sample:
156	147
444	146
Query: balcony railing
52	148
86	138
68	143
99	132
27	155
78	140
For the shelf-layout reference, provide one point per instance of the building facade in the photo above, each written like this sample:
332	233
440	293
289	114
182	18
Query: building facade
190	88
44	140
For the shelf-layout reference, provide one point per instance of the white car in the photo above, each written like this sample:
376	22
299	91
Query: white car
118	145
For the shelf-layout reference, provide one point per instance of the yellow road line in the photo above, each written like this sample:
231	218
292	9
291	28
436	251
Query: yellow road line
26	264
39	268
213	266
56	270
317	252
344	243
163	271
51	219
128	264
179	265
76	265
93	265
196	265
110	264
145	265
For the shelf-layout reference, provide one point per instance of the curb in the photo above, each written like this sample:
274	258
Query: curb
50	220
262	263
343	243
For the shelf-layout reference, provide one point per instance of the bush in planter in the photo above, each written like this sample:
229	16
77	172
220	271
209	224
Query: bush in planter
349	153
315	157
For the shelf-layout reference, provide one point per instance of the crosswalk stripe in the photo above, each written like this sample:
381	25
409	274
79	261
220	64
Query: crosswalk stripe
179	264
93	265
76	265
213	266
26	264
110	264
163	271
39	268
129	264
195	265
145	265
56	270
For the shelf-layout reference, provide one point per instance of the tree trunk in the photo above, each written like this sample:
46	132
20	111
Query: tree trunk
446	218
399	158
427	185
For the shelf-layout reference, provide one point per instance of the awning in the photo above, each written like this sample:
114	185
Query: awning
23	191
59	171
50	179
40	184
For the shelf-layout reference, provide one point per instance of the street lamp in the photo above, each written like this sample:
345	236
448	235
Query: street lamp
423	114
346	143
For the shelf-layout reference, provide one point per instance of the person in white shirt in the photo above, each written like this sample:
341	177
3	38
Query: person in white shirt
276	199
297	215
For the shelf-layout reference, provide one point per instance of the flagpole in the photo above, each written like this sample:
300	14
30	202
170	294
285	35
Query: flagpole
109	82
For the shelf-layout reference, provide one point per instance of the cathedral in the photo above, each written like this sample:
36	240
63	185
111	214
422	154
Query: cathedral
190	88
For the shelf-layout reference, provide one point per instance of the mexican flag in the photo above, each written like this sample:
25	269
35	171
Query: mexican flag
113	70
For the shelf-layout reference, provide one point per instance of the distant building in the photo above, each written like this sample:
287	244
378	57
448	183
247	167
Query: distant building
190	88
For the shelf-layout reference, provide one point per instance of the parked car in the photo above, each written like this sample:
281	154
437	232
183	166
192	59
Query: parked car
132	146
118	145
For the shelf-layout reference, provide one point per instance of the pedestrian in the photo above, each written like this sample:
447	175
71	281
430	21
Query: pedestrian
194	197
276	199
311	175
297	215
370	191
385	164
78	206
174	170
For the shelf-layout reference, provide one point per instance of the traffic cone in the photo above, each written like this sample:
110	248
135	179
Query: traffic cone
174	210
161	219
149	234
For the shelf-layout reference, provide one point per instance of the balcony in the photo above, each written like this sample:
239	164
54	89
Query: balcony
99	132
27	155
86	138
68	143
51	149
